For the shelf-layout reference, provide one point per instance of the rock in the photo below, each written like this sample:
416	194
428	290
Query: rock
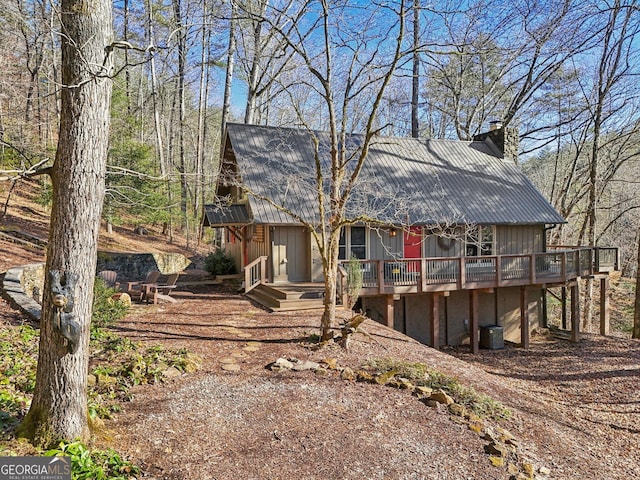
171	372
457	409
302	365
385	377
348	374
473	418
280	364
496	461
423	391
545	471
231	367
527	468
123	298
476	427
497	449
363	376
512	469
332	363
405	384
321	371
431	403
441	397
490	435
503	435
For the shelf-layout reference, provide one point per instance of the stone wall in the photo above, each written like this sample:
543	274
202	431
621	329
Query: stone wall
134	266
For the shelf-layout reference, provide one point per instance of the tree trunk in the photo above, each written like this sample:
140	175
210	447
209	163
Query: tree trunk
636	315
182	164
252	82
415	80
228	79
330	268
59	407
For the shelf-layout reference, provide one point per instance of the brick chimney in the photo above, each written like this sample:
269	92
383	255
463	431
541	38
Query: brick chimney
505	139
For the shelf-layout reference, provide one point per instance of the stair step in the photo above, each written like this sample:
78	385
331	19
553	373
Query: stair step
277	300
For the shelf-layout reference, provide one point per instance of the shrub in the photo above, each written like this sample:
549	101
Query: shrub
94	464
219	263
106	311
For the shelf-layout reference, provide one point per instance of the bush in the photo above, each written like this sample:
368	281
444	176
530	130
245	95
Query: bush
106	311
219	263
94	464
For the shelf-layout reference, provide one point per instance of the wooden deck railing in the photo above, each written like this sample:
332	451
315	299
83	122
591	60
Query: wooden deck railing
462	273
255	273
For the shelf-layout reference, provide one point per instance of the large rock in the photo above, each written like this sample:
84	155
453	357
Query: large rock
441	396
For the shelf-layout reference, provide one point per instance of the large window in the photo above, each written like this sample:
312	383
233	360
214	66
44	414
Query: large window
480	241
354	241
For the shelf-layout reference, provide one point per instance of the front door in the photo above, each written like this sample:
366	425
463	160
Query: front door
290	252
413	247
413	243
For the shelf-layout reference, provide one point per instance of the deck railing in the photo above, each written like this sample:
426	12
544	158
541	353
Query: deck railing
459	273
255	273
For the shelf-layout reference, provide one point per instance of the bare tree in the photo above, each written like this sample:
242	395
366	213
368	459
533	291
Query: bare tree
348	63
636	314
59	406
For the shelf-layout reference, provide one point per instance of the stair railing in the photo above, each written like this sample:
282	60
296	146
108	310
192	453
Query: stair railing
255	273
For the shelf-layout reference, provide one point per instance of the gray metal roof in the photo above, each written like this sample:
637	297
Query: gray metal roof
228	215
404	180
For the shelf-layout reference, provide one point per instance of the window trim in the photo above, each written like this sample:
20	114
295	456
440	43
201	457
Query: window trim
475	239
346	231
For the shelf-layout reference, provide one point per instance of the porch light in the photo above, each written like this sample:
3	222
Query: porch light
393	232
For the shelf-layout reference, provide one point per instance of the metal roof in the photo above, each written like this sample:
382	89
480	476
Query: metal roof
228	215
404	180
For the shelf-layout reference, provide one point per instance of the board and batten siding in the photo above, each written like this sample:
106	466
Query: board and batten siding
517	239
382	246
291	254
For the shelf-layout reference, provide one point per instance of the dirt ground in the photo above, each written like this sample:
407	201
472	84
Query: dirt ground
576	407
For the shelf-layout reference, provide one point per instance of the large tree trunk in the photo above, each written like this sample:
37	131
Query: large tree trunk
636	315
59	407
415	79
330	268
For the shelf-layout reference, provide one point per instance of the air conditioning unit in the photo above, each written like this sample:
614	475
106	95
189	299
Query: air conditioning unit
492	337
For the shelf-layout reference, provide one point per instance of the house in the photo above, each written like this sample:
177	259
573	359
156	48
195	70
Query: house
455	237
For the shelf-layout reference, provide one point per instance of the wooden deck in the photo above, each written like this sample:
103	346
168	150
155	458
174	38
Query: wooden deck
385	277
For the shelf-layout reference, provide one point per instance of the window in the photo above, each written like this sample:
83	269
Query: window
354	241
479	241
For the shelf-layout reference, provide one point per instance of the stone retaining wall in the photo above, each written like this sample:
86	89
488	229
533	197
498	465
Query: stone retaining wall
134	266
24	284
13	285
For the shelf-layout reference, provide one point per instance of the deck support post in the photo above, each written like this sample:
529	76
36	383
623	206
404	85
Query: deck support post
473	322
435	320
564	308
604	306
524	318
575	312
388	311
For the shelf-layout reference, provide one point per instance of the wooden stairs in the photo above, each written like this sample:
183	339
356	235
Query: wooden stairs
288	297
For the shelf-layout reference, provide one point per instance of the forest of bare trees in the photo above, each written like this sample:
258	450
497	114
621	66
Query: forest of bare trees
561	72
